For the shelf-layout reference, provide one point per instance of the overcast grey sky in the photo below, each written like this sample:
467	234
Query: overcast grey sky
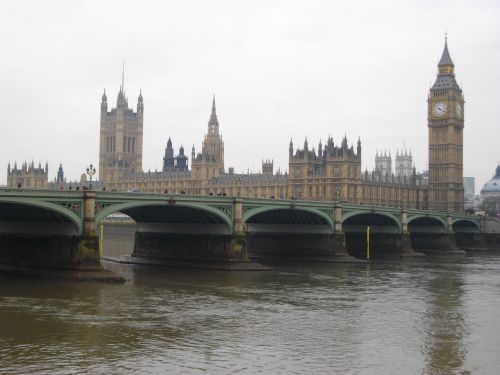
279	69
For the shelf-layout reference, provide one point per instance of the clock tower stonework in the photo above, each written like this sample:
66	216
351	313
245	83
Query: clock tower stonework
446	124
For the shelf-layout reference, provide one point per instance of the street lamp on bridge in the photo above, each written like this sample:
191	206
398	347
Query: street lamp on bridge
91	172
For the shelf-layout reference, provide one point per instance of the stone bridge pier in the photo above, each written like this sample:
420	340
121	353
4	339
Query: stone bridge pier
175	232
290	232
388	233
433	234
49	235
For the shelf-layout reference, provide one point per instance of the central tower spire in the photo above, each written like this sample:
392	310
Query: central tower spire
213	123
122	88
445	65
213	146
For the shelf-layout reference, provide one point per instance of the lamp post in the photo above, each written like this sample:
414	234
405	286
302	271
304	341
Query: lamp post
91	172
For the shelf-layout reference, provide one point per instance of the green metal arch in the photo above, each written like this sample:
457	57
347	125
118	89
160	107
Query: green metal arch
442	221
476	224
126	205
255	211
70	215
386	214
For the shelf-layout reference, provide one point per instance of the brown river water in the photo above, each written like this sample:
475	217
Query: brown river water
430	315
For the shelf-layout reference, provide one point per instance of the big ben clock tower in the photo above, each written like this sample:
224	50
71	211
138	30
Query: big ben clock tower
446	124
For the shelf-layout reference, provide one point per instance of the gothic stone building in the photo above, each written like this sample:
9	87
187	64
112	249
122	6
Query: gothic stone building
120	142
331	173
28	176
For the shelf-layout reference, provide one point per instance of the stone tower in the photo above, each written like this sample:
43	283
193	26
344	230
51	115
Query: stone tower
446	123
60	175
267	166
169	159
213	144
121	131
210	162
404	163
383	163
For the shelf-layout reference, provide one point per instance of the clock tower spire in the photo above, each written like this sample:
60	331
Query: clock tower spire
446	122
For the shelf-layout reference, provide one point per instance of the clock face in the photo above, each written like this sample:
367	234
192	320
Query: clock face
439	109
459	110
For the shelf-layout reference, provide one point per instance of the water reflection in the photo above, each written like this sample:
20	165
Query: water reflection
446	326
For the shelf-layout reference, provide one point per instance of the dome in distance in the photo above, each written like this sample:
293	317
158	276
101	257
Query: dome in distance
493	185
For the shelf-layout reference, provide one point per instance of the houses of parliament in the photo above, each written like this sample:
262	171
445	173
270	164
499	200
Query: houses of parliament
330	172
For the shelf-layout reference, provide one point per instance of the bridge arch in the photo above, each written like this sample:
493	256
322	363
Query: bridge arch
425	223
45	217
465	225
357	221
152	215
385	229
283	219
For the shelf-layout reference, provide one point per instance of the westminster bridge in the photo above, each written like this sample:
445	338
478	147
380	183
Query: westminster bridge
60	228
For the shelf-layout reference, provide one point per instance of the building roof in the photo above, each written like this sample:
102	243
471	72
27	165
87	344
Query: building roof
445	57
445	82
248	179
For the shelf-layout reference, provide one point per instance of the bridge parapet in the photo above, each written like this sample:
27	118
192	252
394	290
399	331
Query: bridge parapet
41	193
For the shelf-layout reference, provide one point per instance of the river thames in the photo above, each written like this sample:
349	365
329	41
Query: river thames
431	315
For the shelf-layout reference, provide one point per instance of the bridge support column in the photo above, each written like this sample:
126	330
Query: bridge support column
340	249
86	254
238	243
297	246
339	236
436	243
405	245
238	226
89	212
190	247
337	218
